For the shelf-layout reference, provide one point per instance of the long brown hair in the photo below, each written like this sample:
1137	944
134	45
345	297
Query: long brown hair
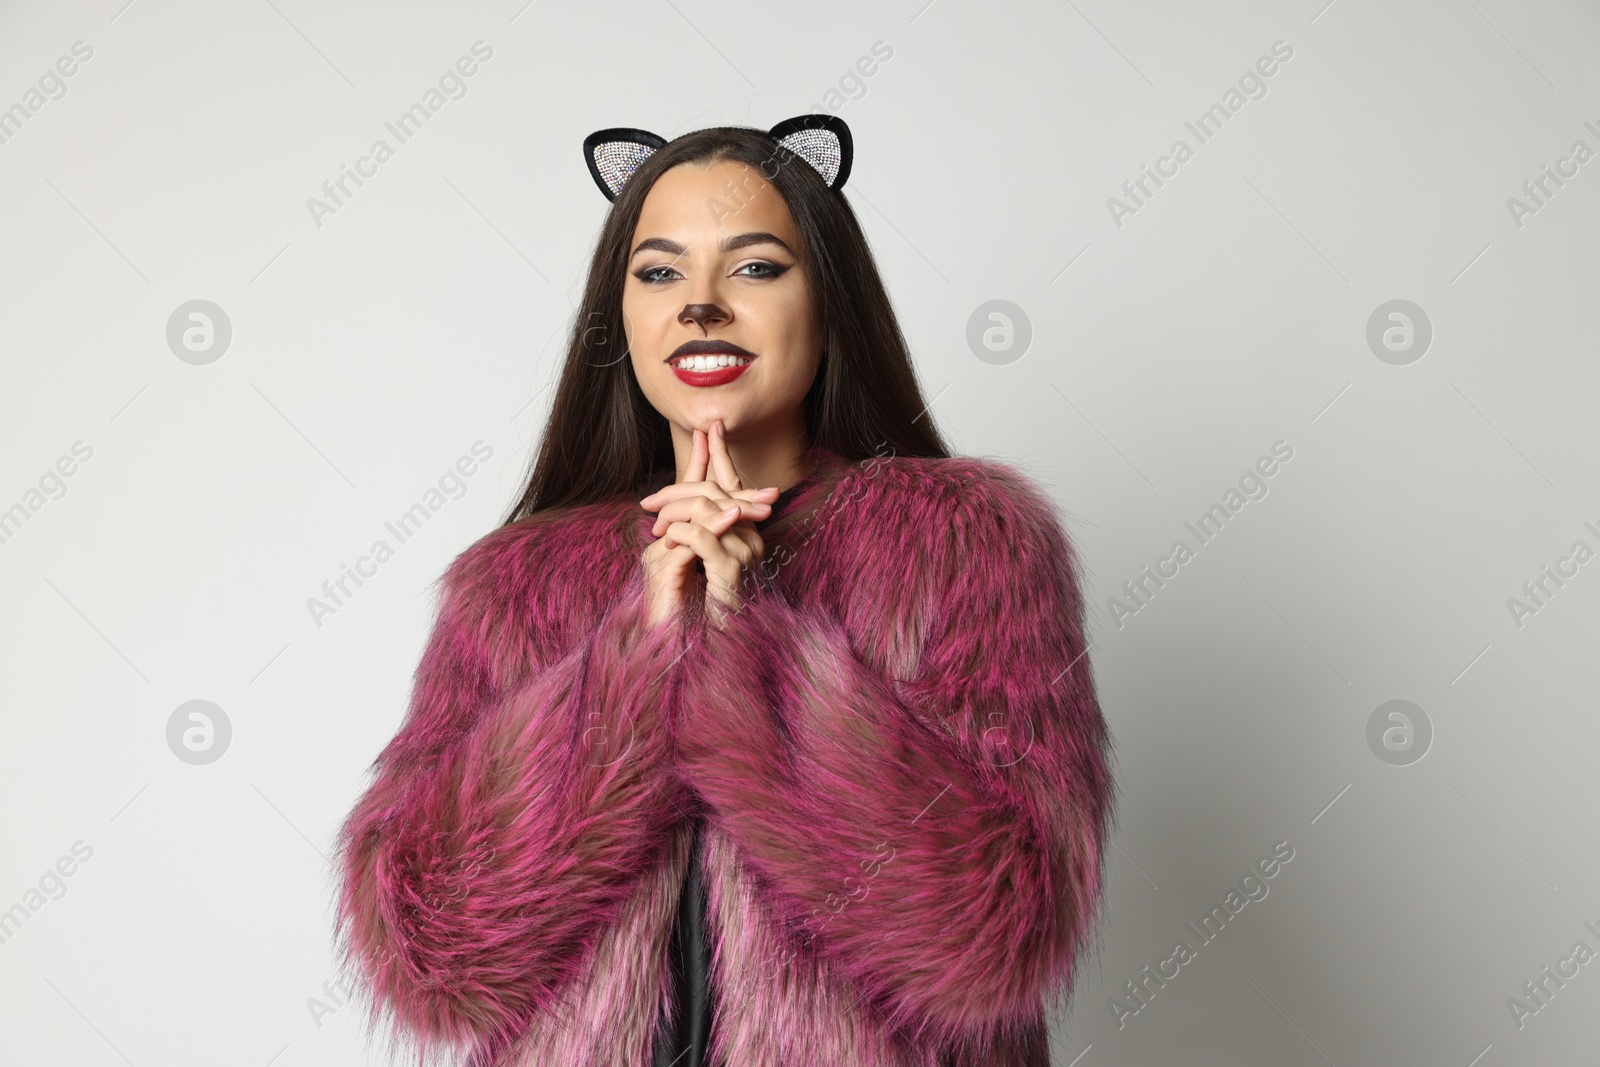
604	437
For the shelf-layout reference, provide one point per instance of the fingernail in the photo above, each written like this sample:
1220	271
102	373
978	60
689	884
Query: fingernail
731	511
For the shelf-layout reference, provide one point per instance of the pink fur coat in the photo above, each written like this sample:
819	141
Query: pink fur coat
896	745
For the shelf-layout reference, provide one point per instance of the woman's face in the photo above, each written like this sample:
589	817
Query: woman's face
713	268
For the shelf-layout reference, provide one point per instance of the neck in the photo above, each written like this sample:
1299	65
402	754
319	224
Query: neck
760	459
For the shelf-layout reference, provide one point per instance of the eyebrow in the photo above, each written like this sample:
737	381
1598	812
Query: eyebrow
729	244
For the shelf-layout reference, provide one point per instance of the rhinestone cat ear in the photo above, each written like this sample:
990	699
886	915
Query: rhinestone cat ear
823	141
613	155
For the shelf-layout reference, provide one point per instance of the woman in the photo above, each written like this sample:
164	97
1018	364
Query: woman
794	760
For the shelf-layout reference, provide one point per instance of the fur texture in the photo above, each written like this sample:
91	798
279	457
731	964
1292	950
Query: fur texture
896	743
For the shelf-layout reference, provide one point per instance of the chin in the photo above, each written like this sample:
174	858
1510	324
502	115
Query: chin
701	418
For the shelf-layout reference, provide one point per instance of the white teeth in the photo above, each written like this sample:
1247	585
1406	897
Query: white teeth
712	362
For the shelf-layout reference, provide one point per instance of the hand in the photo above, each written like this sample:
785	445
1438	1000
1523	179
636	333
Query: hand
707	522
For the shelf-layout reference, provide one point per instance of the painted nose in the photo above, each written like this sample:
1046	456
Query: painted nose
700	314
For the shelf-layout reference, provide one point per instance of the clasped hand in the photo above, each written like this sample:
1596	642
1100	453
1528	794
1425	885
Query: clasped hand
710	521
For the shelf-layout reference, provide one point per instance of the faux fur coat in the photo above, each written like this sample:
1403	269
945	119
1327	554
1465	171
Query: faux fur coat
895	744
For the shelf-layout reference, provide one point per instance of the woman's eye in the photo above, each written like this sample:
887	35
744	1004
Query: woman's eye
647	275
772	269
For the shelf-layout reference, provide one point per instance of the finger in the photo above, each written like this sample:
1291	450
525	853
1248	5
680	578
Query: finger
726	577
745	546
704	538
679	490
667	555
714	490
701	543
700	508
721	462
737	555
698	454
742	542
722	584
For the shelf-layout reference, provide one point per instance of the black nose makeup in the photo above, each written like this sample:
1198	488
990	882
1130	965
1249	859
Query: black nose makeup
700	314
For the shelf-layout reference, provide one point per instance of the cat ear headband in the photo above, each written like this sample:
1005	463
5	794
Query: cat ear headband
821	140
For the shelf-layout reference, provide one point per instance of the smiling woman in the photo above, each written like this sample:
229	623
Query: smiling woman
723	325
646	810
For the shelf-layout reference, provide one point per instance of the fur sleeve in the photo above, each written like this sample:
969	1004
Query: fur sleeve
923	786
525	791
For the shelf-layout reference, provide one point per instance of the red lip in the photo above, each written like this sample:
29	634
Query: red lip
720	376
